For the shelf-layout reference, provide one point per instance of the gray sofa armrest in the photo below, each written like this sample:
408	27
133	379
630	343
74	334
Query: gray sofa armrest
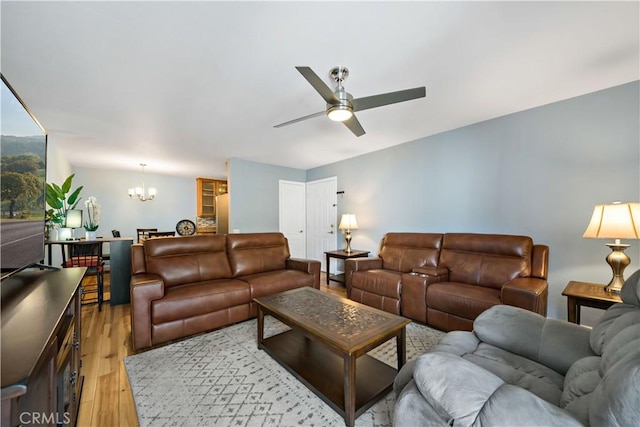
144	289
464	394
554	343
307	266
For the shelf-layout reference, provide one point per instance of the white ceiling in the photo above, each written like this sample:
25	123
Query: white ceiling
183	86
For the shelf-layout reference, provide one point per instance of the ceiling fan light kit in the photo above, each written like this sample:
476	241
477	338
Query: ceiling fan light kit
339	113
340	104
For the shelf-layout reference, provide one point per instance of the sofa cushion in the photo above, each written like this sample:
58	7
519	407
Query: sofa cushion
533	336
271	282
464	394
612	322
581	380
181	302
385	283
187	260
461	299
405	251
511	368
257	252
616	399
486	259
540	380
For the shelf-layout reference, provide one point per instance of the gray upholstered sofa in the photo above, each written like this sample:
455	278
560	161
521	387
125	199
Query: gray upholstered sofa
519	368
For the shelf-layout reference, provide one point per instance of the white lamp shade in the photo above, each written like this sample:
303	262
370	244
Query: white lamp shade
348	222
73	218
614	221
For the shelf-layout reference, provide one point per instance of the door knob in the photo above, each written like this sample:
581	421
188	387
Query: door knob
330	232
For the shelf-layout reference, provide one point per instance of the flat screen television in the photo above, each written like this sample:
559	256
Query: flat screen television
23	157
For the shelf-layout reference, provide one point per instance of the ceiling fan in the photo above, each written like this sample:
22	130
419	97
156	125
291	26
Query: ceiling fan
341	105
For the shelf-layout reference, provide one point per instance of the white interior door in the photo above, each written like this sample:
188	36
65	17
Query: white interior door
293	216
322	210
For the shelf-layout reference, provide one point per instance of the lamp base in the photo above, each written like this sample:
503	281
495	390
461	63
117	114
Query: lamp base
347	237
618	261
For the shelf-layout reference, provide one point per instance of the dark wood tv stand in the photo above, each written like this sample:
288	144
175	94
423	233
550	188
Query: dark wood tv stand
41	380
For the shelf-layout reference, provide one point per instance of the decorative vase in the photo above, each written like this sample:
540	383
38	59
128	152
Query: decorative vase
90	235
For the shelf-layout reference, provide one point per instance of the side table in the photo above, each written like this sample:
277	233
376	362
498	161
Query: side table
589	295
341	254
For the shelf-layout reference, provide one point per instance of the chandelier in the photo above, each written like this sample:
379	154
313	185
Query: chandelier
141	193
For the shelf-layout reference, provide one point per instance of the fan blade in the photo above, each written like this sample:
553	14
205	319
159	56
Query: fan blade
320	86
354	126
299	119
388	98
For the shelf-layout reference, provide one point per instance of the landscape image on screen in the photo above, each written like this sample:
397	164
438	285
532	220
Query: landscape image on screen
23	173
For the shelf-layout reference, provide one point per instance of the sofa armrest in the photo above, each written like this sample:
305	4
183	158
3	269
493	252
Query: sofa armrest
307	266
552	342
144	289
351	265
360	264
441	273
414	290
526	292
463	393
540	261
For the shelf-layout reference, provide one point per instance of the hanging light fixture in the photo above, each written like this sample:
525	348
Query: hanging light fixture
140	193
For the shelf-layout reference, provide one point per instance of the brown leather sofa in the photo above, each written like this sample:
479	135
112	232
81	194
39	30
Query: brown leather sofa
447	280
185	285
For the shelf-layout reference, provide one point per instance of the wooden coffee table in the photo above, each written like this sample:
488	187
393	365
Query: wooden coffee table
327	346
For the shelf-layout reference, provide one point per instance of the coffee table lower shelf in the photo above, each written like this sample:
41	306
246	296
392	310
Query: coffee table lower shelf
323	371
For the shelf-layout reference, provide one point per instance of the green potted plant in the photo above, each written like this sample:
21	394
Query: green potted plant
61	199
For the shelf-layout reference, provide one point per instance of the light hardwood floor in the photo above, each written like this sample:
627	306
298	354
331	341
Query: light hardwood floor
106	340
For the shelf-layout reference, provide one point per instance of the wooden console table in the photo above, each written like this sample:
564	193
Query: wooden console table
41	379
589	295
341	254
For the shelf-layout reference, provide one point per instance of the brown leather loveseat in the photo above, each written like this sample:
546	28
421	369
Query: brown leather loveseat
447	280
185	285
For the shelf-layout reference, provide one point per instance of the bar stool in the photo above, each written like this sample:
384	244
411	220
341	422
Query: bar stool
87	254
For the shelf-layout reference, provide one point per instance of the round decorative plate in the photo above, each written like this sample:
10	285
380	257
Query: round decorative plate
186	227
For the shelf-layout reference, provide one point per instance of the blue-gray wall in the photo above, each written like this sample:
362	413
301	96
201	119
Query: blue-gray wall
176	200
254	194
538	173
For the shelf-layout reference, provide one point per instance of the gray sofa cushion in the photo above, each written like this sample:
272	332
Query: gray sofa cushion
511	368
533	336
464	394
616	400
581	380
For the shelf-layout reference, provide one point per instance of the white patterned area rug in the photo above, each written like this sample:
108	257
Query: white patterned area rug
221	379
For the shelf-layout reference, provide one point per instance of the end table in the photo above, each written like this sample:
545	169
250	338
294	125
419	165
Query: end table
589	295
341	254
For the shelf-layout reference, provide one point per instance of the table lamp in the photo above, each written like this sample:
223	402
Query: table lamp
348	223
73	220
615	221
